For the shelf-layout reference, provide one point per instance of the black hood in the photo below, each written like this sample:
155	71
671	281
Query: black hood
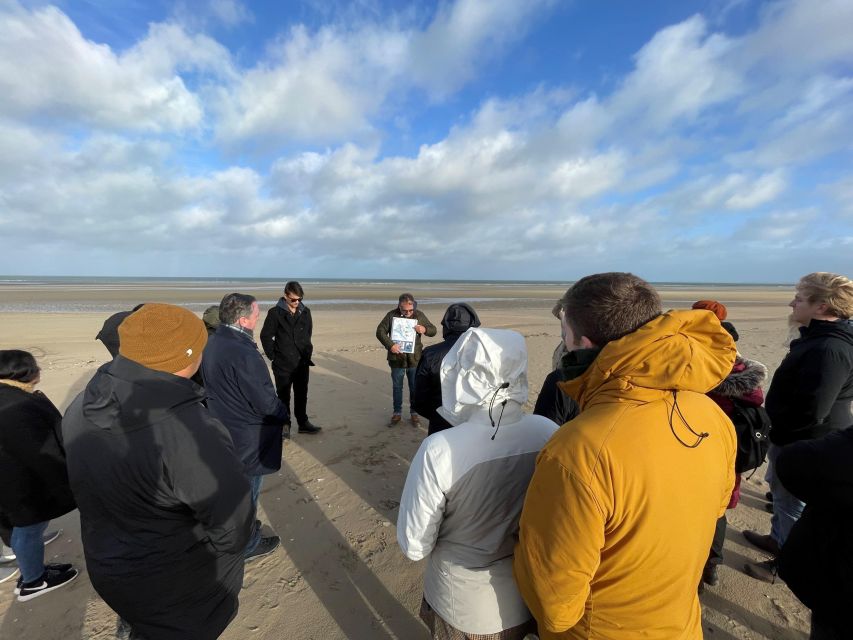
126	396
458	318
841	329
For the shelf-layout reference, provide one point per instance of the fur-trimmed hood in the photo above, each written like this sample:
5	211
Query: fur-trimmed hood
746	376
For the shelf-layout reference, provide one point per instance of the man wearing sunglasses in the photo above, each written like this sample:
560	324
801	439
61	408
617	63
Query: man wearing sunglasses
404	365
286	340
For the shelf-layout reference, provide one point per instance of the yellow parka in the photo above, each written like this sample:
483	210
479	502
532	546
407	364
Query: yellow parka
620	513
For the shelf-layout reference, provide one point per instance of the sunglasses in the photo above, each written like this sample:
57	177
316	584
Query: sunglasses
289	299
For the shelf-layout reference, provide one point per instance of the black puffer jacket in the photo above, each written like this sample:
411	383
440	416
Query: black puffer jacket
458	318
286	337
33	478
817	558
165	509
812	390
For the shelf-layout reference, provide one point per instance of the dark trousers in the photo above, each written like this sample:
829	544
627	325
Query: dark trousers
716	554
298	379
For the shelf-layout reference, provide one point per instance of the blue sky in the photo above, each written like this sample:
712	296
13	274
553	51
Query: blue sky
703	141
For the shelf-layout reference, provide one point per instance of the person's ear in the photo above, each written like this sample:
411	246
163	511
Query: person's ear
586	343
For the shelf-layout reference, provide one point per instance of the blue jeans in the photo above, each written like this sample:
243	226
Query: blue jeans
28	545
255	484
397	375
786	508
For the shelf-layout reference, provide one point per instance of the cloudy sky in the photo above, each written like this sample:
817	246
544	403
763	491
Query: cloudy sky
529	139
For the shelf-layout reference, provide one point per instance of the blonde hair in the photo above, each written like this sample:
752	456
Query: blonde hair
831	288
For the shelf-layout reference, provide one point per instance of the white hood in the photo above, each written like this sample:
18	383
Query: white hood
475	368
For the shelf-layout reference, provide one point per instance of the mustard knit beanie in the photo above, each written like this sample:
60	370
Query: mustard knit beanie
162	337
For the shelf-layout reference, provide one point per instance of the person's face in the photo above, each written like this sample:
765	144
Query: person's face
251	321
407	308
292	300
803	310
571	341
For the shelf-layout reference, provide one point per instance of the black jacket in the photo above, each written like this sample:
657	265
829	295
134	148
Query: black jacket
165	509
817	558
286	337
33	478
812	390
458	318
241	395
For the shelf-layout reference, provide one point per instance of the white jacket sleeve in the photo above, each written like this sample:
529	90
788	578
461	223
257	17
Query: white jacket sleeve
421	506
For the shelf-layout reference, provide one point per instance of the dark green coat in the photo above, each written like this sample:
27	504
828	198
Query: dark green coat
383	334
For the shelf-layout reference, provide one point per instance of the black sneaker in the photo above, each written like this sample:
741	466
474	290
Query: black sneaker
48	582
59	568
266	545
285	431
309	428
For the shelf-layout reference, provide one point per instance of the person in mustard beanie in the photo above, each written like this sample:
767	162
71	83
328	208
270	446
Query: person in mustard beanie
165	509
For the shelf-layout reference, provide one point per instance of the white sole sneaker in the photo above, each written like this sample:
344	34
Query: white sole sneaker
48	584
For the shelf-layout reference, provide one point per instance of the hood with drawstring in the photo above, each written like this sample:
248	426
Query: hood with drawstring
485	368
620	512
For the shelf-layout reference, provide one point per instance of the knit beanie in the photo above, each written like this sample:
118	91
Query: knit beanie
162	337
718	308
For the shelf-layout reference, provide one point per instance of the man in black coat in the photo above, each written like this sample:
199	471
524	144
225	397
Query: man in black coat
286	340
241	395
817	559
458	318
811	393
165	508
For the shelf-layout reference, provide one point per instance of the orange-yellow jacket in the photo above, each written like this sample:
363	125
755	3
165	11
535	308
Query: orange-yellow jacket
619	515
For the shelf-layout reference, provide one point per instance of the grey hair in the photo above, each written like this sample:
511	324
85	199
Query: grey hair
235	306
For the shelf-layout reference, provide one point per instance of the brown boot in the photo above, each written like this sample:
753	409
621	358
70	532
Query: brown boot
763	542
765	571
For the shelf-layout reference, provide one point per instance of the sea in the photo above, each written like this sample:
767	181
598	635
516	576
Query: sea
74	294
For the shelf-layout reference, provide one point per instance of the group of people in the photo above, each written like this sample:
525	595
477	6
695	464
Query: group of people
609	526
598	516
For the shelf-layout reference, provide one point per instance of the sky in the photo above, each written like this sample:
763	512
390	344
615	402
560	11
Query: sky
705	141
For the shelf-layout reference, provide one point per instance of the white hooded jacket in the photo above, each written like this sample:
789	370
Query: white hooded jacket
465	489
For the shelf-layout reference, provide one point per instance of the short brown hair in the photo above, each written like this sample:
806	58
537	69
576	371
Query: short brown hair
607	306
833	289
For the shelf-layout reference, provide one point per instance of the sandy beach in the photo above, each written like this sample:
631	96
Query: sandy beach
339	573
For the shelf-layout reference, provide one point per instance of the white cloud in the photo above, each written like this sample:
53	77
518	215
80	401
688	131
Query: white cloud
49	70
464	35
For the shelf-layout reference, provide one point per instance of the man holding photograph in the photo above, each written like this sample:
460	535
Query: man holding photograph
404	354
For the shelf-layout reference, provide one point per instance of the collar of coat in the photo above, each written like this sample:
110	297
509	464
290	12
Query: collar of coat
677	351
29	387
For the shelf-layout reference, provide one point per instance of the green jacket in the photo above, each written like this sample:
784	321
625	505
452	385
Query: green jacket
383	334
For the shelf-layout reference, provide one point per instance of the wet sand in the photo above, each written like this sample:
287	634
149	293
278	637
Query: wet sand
340	573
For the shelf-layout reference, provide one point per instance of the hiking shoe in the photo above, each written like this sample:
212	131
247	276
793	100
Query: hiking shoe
266	545
49	581
309	428
765	571
395	420
416	420
710	575
59	568
285	431
763	542
7	573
